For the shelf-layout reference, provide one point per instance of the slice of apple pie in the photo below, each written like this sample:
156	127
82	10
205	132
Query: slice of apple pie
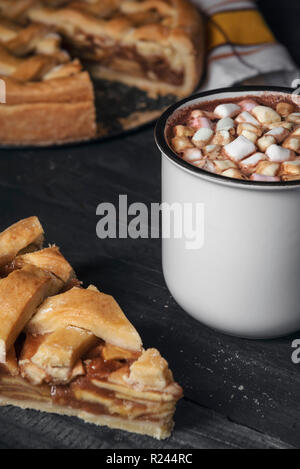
70	350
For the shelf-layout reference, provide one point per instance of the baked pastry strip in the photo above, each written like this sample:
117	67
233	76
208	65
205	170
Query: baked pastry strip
49	259
16	10
53	357
21	292
25	235
11	364
90	310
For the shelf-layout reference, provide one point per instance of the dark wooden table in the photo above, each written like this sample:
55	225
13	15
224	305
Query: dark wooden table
238	393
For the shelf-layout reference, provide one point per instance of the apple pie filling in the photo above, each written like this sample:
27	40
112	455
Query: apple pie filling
102	386
128	59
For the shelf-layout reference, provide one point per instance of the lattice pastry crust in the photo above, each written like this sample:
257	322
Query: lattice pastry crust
156	45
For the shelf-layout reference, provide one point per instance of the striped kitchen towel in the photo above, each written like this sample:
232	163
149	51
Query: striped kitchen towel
240	45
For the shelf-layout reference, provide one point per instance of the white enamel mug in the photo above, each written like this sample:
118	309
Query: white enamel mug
245	278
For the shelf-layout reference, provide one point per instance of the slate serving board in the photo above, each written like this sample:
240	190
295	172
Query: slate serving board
121	108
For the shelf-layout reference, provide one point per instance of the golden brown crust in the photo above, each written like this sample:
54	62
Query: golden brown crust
11	365
21	235
49	259
72	89
20	294
16	10
49	123
68	19
90	310
31	52
150	371
22	41
60	109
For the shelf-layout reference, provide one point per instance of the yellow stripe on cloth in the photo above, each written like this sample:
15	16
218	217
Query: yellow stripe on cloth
244	27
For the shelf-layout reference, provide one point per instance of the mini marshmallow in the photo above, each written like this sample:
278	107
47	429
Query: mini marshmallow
199	163
194	120
227	110
239	148
183	131
264	142
267	168
248	104
294	118
212	151
296	132
181	143
196	113
200	122
211	148
291	167
210	115
209	166
205	123
233	173
252	161
223	165
284	109
198	119
265	114
247	117
284	124
289	177
249	135
279	133
246	126
202	137
278	154
225	124
222	137
192	154
249	128
292	143
260	178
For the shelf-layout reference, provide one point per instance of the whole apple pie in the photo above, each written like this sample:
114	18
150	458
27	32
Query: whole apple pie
70	350
155	45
